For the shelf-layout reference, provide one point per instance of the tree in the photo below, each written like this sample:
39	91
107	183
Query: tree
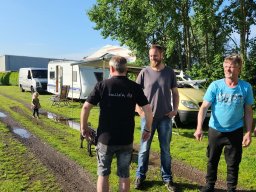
208	32
240	15
138	24
194	33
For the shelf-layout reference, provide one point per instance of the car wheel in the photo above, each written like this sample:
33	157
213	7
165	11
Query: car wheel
21	89
32	90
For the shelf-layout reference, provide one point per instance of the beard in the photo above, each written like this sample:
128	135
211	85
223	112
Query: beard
155	63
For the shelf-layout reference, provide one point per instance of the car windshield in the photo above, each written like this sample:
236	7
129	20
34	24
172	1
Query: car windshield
39	74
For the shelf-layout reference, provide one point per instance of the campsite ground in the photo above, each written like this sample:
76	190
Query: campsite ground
73	177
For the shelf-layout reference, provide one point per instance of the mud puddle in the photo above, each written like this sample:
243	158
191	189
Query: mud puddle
2	115
72	124
21	132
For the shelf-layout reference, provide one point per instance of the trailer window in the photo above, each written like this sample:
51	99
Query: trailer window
52	75
74	76
99	76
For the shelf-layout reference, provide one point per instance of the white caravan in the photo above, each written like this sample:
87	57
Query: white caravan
81	76
33	79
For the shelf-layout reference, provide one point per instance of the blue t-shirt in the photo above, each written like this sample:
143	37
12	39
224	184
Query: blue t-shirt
228	104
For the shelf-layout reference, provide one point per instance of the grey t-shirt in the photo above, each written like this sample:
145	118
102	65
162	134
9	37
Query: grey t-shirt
157	87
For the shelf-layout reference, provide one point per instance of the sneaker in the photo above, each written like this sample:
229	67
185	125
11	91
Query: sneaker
33	116
208	188
170	186
138	182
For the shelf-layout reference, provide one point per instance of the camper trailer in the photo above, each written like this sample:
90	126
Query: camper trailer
81	76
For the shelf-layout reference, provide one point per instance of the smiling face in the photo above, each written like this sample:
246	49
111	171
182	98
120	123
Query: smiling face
155	57
231	70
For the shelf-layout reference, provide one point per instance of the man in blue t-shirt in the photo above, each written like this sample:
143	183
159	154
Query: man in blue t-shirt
231	102
117	98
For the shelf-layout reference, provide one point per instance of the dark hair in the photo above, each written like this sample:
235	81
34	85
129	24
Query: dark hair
158	47
119	63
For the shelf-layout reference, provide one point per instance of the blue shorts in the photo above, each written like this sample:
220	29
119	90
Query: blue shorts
105	155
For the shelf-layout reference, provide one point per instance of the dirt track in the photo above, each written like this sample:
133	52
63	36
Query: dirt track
70	176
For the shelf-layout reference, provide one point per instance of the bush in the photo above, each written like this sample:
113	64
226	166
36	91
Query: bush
9	78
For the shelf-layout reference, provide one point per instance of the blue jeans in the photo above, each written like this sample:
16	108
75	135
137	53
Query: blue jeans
164	129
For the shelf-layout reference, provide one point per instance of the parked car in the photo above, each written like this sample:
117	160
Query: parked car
191	98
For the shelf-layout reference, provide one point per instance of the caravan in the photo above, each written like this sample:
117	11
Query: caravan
81	76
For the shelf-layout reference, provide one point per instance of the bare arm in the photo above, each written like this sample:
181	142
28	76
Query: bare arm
139	110
149	119
200	120
84	118
175	103
248	119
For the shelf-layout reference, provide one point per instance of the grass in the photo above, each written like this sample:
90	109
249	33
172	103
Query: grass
183	147
19	169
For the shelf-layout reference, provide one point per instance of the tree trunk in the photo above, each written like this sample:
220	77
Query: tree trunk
242	28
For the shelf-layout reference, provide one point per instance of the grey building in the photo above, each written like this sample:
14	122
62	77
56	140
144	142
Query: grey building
14	62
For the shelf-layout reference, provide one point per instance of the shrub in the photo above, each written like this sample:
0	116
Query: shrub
9	78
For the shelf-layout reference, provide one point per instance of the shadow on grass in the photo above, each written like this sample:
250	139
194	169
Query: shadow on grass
185	186
147	185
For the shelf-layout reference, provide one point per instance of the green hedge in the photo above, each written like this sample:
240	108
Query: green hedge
9	78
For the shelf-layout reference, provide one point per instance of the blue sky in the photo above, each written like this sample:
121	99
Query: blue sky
48	28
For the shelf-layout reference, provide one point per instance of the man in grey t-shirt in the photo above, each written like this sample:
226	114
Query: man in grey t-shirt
160	87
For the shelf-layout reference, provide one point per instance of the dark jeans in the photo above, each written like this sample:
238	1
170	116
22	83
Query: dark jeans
36	111
232	144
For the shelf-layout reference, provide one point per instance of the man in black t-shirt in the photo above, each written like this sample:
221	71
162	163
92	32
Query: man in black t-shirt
117	98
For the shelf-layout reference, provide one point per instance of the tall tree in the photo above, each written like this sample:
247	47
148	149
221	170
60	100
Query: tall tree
240	15
138	24
192	31
207	30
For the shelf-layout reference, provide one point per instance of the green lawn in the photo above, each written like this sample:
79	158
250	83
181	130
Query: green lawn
19	168
183	147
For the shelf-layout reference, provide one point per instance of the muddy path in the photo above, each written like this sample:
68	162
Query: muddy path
72	177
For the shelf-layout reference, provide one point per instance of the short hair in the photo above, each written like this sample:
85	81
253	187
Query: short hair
158	47
234	59
119	63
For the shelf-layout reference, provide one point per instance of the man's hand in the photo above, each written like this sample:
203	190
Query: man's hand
171	114
247	139
198	135
85	132
146	135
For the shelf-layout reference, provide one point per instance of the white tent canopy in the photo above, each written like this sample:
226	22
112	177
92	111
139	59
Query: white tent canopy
101	57
113	50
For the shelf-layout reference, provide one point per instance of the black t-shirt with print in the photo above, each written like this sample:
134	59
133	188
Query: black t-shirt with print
117	98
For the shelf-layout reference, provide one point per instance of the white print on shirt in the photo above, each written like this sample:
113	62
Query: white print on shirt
129	95
229	98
